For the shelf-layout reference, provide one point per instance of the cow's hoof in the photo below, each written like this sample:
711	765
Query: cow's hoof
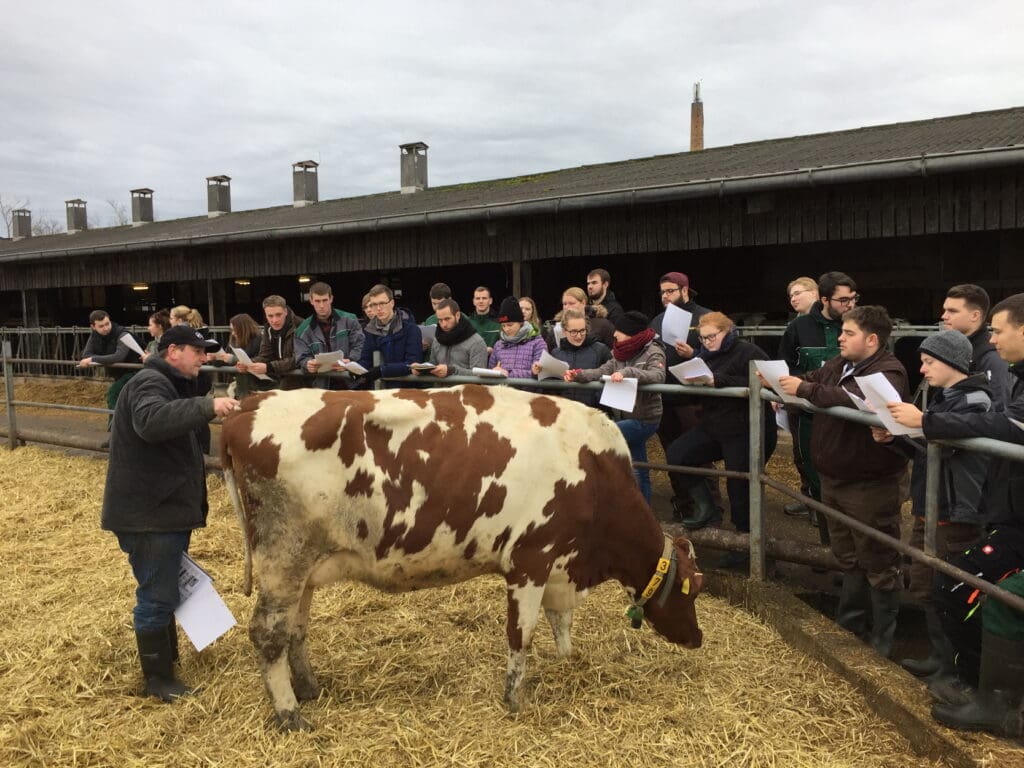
306	690
293	721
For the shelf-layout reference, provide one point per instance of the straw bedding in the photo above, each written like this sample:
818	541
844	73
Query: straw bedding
408	680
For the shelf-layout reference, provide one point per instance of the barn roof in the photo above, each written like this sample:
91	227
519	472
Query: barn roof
905	147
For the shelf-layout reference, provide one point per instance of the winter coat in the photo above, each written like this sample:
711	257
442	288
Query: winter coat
109	350
461	357
277	350
844	450
590	354
156	480
985	359
725	417
809	341
487	326
610	303
400	343
346	336
517	358
647	367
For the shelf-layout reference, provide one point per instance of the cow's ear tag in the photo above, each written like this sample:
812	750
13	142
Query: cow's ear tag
636	616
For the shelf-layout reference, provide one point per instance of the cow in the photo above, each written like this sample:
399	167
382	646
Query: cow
403	489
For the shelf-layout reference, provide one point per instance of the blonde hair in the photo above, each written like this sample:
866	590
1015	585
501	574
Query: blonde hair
804	282
183	314
575	314
535	320
721	321
595	310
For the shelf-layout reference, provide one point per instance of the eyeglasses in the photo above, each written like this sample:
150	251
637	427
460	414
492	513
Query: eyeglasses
710	337
668	291
797	293
847	300
379	304
576	332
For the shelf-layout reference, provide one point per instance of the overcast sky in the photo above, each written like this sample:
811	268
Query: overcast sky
99	98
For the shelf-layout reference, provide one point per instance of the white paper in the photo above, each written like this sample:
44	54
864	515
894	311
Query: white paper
551	367
861	405
353	367
559	333
490	372
428	332
328	359
878	392
782	418
772	370
675	326
243	357
202	613
423	366
691	369
620	395
129	341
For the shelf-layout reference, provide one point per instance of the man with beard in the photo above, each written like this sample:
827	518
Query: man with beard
599	292
457	348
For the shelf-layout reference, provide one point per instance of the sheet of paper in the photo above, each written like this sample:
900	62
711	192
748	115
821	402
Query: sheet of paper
490	373
190	577
204	616
242	356
859	402
782	419
353	367
1019	424
620	395
691	369
559	333
772	370
423	366
878	391
551	367
328	359
428	332
676	325
129	341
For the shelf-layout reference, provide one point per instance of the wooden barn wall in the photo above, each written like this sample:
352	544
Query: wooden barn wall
880	210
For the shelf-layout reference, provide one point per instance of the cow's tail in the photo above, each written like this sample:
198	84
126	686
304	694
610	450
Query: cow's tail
243	518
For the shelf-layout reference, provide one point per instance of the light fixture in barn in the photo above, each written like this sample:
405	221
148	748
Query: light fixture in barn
242	281
140	286
305	279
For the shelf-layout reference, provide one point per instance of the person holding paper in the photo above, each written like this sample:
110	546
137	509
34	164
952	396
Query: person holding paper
245	335
155	493
579	350
859	477
457	348
392	332
723	431
635	355
277	344
945	365
105	347
327	330
519	346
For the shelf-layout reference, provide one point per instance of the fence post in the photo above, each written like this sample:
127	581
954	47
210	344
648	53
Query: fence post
931	496
755	407
12	425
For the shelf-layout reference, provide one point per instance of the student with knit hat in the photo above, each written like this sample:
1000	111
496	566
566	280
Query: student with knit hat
635	355
945	365
518	347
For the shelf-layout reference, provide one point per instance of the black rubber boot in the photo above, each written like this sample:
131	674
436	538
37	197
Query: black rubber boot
157	666
996	706
940	657
854	601
172	639
885	608
705	511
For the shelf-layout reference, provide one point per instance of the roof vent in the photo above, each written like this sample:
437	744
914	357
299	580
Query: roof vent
142	206
696	120
305	183
21	224
218	195
414	167
77	220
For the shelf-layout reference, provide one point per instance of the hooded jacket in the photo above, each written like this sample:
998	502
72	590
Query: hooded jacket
809	341
590	354
647	367
985	359
277	350
844	450
400	343
345	336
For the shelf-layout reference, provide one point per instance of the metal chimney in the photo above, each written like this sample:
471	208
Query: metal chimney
21	224
218	195
77	220
696	121
142	206
305	183
414	167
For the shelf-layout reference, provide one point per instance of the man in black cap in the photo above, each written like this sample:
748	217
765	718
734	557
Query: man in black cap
156	490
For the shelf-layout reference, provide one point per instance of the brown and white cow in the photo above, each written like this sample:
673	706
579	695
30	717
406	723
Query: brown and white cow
403	489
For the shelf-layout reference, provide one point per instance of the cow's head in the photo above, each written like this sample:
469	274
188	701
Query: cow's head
674	617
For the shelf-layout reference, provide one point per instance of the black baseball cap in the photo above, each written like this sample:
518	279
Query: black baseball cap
182	335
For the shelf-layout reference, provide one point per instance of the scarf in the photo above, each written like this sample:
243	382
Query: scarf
394	325
627	349
522	335
462	331
727	343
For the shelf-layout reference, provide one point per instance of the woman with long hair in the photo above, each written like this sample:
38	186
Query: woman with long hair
245	334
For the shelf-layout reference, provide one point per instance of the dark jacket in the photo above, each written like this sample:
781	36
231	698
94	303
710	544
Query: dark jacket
610	303
963	473
590	354
724	417
156	481
277	350
844	450
809	341
1004	494
400	343
985	359
486	325
108	350
345	336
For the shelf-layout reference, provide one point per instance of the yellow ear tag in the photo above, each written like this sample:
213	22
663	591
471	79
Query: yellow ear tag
686	586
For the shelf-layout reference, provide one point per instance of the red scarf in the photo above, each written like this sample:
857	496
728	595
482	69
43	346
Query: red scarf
627	349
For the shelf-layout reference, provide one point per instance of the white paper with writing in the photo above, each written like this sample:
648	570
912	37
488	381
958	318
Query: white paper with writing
129	341
878	391
328	359
620	395
675	326
773	370
551	367
202	613
243	357
691	369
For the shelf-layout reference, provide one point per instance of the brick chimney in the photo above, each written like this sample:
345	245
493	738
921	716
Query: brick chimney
77	220
414	167
21	224
218	195
696	121
304	183
142	206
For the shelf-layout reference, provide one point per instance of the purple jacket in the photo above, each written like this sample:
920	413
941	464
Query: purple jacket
518	359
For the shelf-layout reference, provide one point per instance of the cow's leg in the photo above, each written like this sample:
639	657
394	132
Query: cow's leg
271	629
523	613
303	678
559	602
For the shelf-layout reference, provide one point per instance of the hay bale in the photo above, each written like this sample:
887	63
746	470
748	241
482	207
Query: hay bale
408	680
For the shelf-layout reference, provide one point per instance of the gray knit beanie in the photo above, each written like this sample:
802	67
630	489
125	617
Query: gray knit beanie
951	347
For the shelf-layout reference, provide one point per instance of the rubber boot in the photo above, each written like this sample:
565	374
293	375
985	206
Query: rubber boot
885	608
854	601
157	666
940	657
705	511
996	706
172	638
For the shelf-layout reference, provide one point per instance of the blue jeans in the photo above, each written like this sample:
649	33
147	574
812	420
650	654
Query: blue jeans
637	433
155	559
